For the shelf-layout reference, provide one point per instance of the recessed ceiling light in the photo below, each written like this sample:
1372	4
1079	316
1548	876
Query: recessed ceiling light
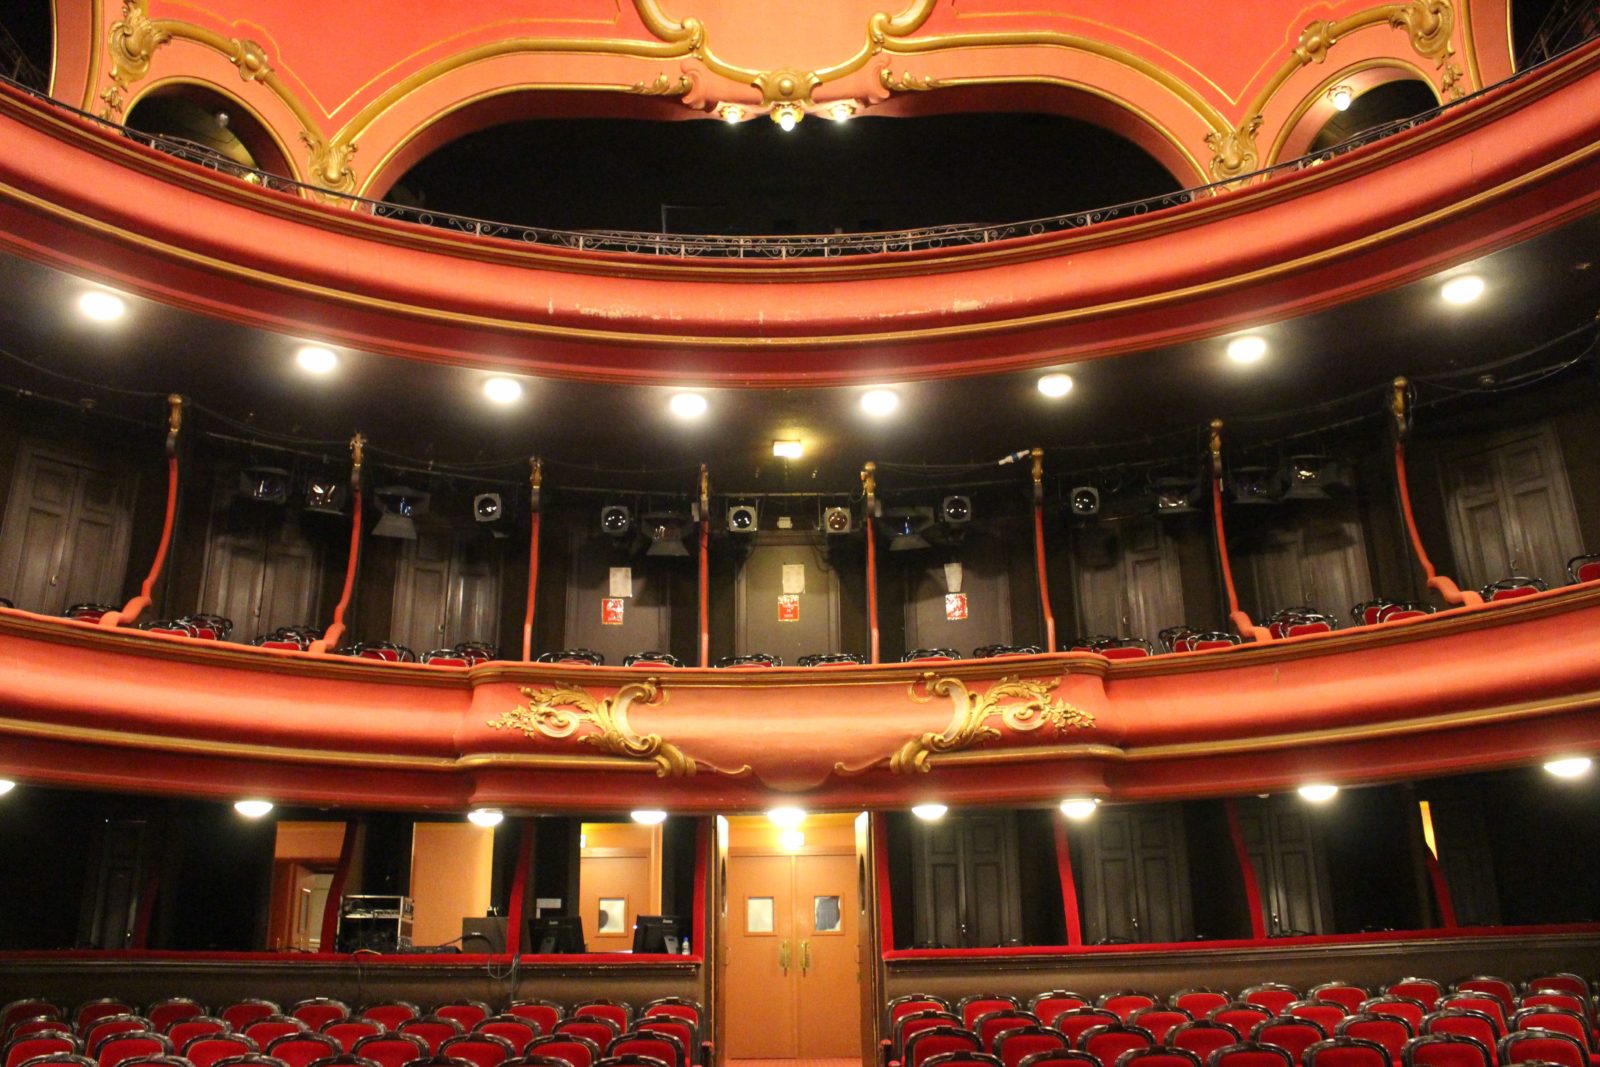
879	402
1079	808
314	359
731	112
102	306
792	840
1319	793
486	817
503	390
1462	290
929	812
788	449
1055	385
1571	767
1341	97
6	786
687	405
787	818
252	809
1247	349
649	817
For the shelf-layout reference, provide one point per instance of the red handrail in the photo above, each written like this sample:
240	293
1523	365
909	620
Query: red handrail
331	636
536	481
134	608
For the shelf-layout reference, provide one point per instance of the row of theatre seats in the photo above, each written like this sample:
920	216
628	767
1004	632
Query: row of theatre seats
1483	1021
324	1032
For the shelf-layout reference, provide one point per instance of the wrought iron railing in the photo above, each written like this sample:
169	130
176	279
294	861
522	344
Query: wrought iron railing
805	246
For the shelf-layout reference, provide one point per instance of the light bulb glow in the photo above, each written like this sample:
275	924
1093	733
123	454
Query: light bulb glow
843	111
314	359
731	113
1247	349
502	390
879	402
1341	96
1570	767
787	818
1079	808
1462	290
1318	792
101	306
6	786
788	449
486	817
792	840
649	817
929	812
787	116
687	405
252	809
1055	385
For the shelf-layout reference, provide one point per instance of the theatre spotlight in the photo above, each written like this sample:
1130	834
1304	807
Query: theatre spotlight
327	496
742	519
488	507
270	485
837	520
1304	478
906	527
1176	495
665	530
955	510
400	505
616	521
1083	501
1254	485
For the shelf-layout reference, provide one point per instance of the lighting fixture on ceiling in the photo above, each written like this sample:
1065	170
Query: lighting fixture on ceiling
400	505
787	116
1079	808
648	817
955	510
327	495
101	306
1176	495
1570	767
731	113
931	812
787	818
616	520
1247	350
1304	477
906	526
791	840
1083	501
502	390
687	405
252	809
1254	485
837	520
666	531
1318	793
788	449
314	359
879	402
842	110
6	786
1341	97
1463	289
488	507
269	485
486	817
1055	385
742	519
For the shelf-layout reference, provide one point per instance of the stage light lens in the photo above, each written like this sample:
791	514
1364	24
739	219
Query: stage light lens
787	818
1247	349
1319	793
503	390
1055	385
486	817
1462	290
1571	767
649	817
687	405
930	812
879	402
102	306
314	359
252	809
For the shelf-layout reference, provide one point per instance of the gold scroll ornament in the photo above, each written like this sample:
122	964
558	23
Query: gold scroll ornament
560	712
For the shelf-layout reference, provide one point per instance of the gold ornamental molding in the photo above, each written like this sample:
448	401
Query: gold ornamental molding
1021	706
560	712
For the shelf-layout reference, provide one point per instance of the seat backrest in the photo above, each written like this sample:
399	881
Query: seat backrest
1556	998
1501	989
433	1030
1202	1037
681	1029
1325	1013
348	1031
164	1013
1158	1056
93	1011
543	1013
680	1007
1346	1052
1463	1022
991	1024
1446	1050
576	1049
391	1049
344	1059
962	1059
107	1025
318	1012
1274	996
1405	1008
206	1049
1199	1002
468	1013
1013	1046
1241	1016
1581	569
1345	994
1487	1003
1108	1042
1561	1020
969	1008
916	1022
1077	1021
1288	1032
302	1049
664	1047
618	1014
601	1031
1387	1030
391	1013
509	1028
1424	989
30	1045
265	1031
243	1012
27	1008
252	1059
1049	1004
1250	1054
185	1030
1546	1046
1127	1001
1159	1019
39	1025
119	1047
1063	1058
483	1050
925	1044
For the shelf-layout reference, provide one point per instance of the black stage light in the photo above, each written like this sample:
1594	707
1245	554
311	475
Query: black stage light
742	519
270	485
956	511
327	496
1176	495
1254	485
1084	501
906	526
616	520
666	531
400	505
488	507
838	520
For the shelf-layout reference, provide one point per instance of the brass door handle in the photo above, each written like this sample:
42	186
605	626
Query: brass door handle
805	958
783	957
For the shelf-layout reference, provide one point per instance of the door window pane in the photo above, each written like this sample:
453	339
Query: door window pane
758	915
827	916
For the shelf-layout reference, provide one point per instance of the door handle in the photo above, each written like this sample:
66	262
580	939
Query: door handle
805	958
783	957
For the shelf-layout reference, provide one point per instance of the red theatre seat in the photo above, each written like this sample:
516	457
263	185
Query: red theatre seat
1486	1003
1014	1046
433	1030
1290	1034
318	1012
1108	1042
242	1013
26	1008
678	1007
117	1048
1064	1058
468	1013
163	1014
1405	1008
1199	1001
265	1031
207	1049
1203	1037
1127	1001
970	1008
28	1046
962	1059
1556	998
1250	1054
1558	1020
511	1029
1479	1026
391	1050
1158	1056
1327	1014
991	1024
1386	1030
682	1030
1159	1020
1446	1050
1274	996
1346	1052
617	1013
575	1049
593	1028
348	1031
481	1050
93	1011
925	1044
1543	1046
1049	1004
1078	1021
664	1047
1241	1016
107	1025
1581	569
542	1013
303	1049
1424	989
1502	989
1509	589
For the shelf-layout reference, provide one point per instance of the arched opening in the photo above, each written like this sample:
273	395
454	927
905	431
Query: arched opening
1382	104
27	30
203	116
752	177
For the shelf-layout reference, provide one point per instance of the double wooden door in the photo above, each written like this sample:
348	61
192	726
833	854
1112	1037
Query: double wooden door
1136	881
1128	581
1291	869
793	970
447	590
966	891
263	570
66	530
1510	509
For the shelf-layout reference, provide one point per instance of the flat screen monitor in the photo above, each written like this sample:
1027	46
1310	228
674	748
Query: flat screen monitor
556	935
659	933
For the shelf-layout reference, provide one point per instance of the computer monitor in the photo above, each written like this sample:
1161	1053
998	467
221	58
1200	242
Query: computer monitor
556	934
659	933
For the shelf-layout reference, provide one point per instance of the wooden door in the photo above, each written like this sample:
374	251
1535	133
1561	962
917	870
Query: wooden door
1127	577
762	971
116	884
262	571
765	620
826	923
985	583
967	891
1510	508
291	590
66	532
474	605
1137	882
1312	556
421	590
1291	870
